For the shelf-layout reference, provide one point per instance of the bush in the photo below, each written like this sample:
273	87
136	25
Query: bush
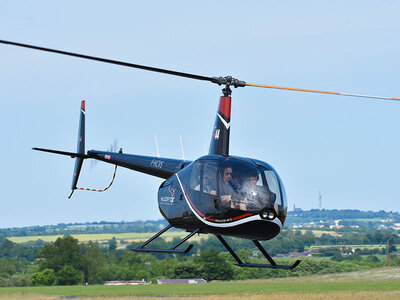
187	270
45	277
15	280
68	275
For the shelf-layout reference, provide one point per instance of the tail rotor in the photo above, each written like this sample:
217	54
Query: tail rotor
80	149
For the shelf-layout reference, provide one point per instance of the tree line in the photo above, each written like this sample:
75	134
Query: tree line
67	262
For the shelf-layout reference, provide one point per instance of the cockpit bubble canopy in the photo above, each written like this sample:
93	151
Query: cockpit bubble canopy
228	188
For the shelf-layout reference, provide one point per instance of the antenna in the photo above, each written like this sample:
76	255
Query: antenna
158	151
183	154
320	200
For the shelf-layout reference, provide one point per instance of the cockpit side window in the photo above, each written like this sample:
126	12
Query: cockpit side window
210	172
277	188
194	183
273	185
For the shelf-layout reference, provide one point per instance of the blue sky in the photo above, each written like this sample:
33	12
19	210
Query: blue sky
347	148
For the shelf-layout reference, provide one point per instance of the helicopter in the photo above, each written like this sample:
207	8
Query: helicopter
218	193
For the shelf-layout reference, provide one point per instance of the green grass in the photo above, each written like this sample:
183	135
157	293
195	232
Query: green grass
386	279
221	288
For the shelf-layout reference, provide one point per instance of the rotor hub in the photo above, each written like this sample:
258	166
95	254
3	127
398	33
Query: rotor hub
229	81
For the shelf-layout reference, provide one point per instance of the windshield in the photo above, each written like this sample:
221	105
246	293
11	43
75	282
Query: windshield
228	188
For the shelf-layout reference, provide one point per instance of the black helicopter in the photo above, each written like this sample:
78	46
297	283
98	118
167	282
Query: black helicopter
218	193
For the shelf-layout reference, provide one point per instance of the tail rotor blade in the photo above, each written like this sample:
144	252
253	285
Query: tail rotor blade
80	148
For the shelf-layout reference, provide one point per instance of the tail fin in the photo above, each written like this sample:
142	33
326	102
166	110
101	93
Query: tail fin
80	149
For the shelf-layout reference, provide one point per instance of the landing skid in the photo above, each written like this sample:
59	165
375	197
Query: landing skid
272	265
170	250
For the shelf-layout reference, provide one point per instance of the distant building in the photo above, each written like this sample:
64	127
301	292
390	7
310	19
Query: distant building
297	209
125	282
194	280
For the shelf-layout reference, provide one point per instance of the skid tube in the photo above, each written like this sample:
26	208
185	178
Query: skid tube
170	250
272	265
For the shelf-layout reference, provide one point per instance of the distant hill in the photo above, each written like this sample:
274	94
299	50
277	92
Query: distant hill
347	217
79	228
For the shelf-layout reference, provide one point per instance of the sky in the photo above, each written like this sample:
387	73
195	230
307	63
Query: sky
346	148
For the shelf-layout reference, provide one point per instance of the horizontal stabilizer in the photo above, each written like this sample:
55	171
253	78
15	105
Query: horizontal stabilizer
72	154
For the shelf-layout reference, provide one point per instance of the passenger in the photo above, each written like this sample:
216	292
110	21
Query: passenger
208	184
235	182
257	197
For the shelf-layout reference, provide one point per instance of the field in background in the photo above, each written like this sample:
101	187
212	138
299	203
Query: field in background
105	237
370	284
127	237
319	233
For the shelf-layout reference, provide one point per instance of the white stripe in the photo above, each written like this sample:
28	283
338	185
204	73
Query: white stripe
223	121
231	224
83	111
366	96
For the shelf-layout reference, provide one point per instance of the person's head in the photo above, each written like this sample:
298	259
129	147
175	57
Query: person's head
206	178
253	178
227	174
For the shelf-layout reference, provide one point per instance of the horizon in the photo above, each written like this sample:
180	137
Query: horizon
163	220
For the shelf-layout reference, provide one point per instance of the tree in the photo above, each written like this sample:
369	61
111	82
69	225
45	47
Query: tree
112	244
65	258
9	267
214	267
64	251
68	275
93	263
187	269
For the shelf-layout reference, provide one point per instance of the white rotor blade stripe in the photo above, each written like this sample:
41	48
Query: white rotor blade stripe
321	92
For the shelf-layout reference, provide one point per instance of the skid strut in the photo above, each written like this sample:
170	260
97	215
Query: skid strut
272	265
170	250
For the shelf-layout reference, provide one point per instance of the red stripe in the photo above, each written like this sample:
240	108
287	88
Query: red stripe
225	106
242	216
187	195
83	104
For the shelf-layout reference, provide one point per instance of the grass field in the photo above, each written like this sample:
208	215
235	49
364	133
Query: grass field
319	233
371	284
127	237
104	237
362	295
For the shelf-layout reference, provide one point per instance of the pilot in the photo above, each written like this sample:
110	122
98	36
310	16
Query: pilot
226	189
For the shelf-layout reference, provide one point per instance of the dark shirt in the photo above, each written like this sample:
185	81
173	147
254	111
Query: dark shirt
226	188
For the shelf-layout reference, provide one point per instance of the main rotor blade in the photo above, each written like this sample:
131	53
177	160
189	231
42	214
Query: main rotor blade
321	92
115	62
